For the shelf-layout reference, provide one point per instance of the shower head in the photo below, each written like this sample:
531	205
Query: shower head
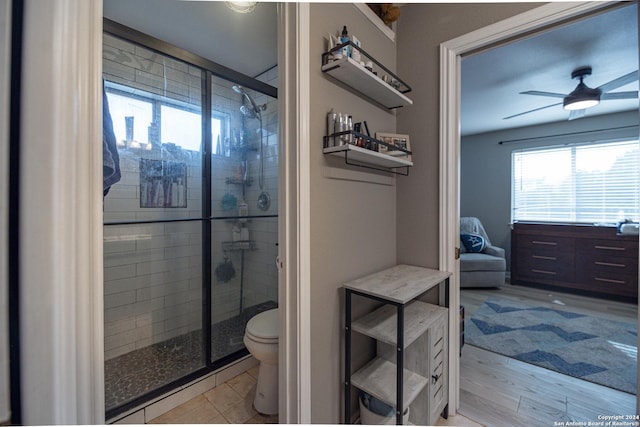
248	112
253	112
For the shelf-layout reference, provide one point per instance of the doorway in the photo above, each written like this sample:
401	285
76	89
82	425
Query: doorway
451	53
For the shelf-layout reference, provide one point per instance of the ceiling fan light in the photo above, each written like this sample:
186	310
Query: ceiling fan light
582	104
581	98
241	6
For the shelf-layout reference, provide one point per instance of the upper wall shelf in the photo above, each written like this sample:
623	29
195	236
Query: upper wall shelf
355	75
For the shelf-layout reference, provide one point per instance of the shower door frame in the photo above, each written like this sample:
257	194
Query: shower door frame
208	70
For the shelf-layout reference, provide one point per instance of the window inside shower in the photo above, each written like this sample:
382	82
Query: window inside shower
190	230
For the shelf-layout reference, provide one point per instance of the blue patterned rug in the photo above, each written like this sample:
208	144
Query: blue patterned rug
593	349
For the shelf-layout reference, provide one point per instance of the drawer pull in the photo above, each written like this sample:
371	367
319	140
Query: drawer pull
617	282
538	242
611	248
434	378
553	273
551	258
610	264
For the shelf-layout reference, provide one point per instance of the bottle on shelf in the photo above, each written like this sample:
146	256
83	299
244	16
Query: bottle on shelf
341	127
332	117
243	211
344	38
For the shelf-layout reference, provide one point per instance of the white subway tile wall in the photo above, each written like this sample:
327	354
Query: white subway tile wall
153	272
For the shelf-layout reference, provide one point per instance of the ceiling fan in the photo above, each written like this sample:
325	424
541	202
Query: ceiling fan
584	97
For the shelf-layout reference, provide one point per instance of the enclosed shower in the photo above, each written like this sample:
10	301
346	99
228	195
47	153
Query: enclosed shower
191	227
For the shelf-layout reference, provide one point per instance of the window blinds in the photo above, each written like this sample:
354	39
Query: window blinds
579	183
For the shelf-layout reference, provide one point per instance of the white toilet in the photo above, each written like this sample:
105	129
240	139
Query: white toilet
261	339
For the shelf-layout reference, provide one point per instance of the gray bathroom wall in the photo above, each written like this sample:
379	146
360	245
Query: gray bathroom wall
485	165
362	221
353	209
421	29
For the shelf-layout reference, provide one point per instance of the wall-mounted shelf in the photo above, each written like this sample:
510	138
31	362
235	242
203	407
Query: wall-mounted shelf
368	157
239	181
355	75
239	245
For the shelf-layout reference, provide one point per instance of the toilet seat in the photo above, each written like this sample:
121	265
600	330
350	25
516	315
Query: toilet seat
261	340
263	328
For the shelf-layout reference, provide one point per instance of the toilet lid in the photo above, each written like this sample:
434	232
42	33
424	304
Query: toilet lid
264	325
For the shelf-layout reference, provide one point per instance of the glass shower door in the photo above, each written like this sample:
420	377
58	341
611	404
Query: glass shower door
153	240
244	211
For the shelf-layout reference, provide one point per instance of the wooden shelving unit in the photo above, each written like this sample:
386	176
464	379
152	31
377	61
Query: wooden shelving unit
402	324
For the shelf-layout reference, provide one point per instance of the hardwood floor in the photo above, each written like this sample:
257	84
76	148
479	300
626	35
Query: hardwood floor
498	391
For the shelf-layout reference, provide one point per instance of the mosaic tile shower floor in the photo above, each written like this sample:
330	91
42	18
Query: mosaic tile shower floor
141	371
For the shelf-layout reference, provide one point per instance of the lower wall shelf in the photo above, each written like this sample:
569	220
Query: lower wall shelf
369	158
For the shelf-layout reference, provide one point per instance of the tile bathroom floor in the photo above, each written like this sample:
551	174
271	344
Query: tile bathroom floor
232	403
229	403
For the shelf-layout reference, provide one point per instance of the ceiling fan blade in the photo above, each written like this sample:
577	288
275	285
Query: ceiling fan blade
539	93
620	81
576	114
620	95
531	111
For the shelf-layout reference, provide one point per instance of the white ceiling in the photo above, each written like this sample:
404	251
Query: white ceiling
244	42
492	80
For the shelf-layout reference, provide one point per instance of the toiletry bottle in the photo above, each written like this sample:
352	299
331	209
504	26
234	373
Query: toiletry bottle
334	42
350	129
338	127
235	233
331	126
355	51
342	127
344	38
243	211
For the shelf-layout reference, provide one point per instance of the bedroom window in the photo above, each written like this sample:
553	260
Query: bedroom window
591	183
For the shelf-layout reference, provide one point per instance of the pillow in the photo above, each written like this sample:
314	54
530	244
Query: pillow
473	242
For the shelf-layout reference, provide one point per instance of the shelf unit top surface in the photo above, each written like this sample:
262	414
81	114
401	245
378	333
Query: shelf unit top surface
382	324
368	156
348	71
399	284
376	377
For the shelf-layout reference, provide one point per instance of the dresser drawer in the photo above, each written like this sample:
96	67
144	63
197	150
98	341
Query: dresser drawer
610	249
546	244
548	266
619	283
609	264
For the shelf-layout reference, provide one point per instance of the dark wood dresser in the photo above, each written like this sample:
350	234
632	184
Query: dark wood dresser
591	259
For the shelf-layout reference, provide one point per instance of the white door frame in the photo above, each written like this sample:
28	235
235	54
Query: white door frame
295	213
61	294
451	53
